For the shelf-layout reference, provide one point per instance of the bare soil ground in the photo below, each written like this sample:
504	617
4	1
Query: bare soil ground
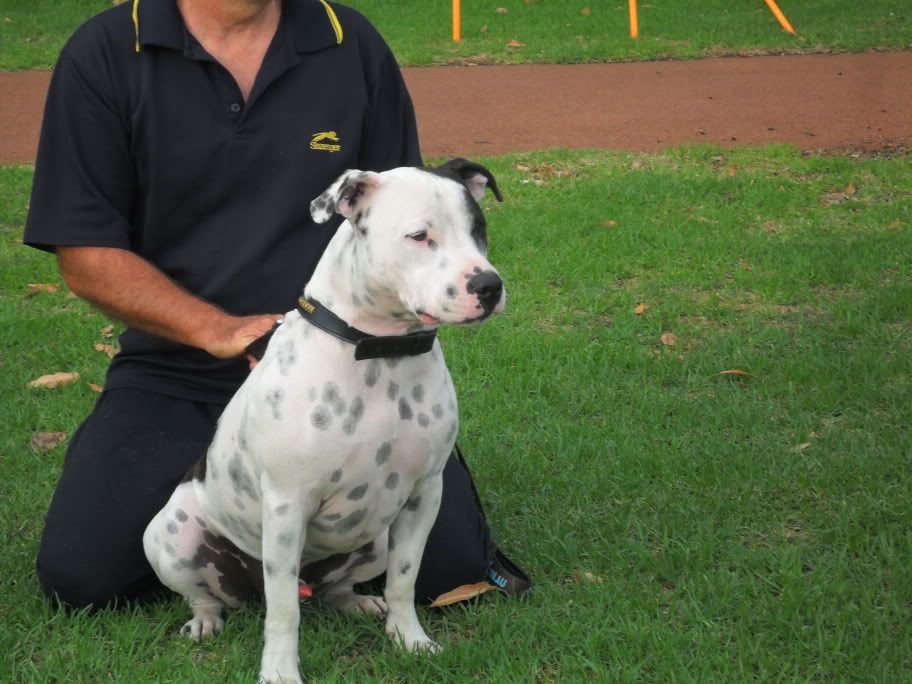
859	102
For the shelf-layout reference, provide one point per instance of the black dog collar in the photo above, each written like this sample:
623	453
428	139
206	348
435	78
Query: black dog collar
367	346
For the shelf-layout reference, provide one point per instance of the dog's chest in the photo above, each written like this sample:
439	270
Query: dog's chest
403	434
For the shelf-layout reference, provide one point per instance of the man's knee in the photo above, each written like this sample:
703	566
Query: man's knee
76	583
67	585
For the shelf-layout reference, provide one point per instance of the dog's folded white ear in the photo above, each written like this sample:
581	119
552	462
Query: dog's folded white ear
473	175
349	192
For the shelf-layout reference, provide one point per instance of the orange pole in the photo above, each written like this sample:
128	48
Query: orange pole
457	21
780	17
634	25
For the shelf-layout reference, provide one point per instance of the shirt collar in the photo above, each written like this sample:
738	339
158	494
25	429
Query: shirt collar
158	22
313	23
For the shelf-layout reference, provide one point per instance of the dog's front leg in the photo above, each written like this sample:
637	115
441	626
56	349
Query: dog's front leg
407	537
285	512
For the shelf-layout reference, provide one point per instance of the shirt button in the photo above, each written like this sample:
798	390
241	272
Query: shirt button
235	107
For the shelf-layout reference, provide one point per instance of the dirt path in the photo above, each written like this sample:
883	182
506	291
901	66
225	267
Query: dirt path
814	101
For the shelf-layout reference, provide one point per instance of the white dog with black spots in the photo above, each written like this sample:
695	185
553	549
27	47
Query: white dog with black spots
325	468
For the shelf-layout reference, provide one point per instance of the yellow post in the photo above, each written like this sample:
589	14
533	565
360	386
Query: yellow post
634	25
780	17
457	21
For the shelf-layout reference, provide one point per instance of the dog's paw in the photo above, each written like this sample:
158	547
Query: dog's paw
202	626
425	646
371	605
279	672
279	678
414	640
357	604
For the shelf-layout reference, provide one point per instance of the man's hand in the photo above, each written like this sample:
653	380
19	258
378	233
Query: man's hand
230	336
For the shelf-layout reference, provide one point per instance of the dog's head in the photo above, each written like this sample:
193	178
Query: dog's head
420	236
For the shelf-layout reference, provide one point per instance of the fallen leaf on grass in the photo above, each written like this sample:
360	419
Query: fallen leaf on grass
108	349
587	577
107	331
515	44
539	174
636	165
501	10
95	388
549	170
54	380
831	198
463	593
737	373
45	441
669	339
35	288
72	295
640	309
586	11
608	223
802	446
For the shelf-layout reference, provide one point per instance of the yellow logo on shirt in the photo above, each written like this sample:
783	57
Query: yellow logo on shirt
318	141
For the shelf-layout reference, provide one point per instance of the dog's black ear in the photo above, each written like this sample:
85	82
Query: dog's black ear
352	188
472	175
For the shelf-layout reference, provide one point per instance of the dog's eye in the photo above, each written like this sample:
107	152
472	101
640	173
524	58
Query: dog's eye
420	236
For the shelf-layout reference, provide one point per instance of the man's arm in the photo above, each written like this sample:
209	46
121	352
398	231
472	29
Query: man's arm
132	290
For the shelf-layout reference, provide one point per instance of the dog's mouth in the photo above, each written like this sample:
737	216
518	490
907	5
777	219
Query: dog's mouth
428	319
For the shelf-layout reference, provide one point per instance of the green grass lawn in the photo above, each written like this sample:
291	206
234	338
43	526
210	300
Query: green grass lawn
33	31
745	529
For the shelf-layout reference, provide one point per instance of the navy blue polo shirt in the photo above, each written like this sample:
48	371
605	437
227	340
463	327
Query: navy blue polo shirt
147	145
